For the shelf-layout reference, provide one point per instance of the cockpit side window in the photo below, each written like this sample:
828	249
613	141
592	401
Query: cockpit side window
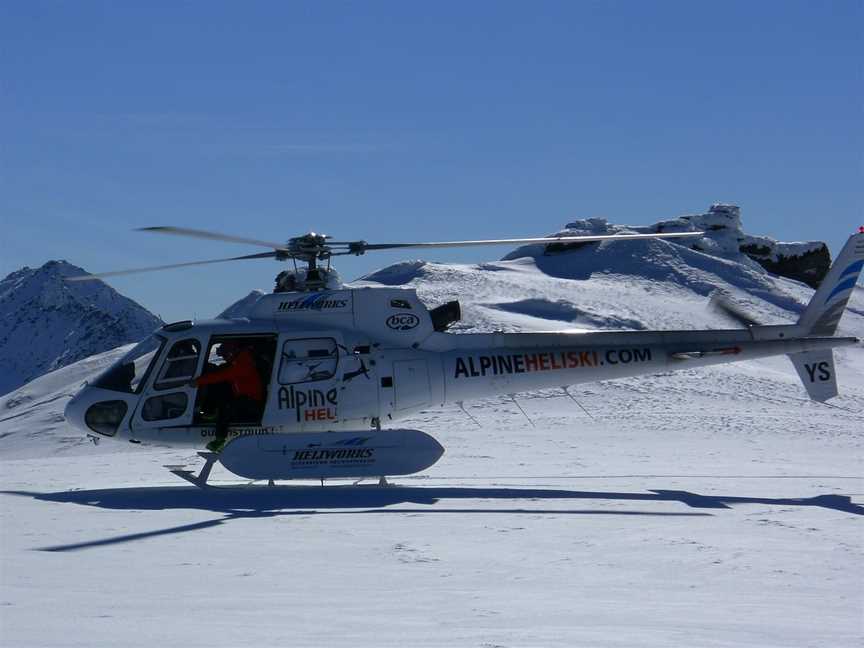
129	373
180	365
307	360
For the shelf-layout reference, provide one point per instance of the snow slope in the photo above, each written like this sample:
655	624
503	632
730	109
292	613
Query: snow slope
710	507
47	323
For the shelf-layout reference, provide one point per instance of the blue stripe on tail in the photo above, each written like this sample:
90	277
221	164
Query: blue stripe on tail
855	267
843	285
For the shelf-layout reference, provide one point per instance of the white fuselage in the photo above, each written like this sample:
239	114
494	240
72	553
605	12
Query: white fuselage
359	358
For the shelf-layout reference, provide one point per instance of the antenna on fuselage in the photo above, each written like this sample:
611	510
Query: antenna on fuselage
513	398
573	398
462	407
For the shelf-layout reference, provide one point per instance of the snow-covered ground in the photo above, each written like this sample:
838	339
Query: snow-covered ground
714	507
690	512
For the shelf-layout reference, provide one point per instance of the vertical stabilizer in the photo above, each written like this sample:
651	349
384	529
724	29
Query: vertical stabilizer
816	371
824	311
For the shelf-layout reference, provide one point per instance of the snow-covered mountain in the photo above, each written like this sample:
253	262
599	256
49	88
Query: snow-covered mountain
652	284
728	252
47	323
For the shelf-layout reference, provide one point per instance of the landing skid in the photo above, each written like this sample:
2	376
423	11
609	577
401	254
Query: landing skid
382	481
199	480
210	458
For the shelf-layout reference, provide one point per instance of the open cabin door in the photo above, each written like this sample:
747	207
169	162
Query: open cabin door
239	396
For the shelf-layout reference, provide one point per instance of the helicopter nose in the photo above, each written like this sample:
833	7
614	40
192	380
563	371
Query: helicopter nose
96	410
74	413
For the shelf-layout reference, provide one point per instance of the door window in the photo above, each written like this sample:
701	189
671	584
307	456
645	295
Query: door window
307	360
168	406
180	365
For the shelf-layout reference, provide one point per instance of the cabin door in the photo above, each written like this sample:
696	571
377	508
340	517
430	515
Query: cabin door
305	394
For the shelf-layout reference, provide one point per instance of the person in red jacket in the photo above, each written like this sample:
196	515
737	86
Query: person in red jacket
241	373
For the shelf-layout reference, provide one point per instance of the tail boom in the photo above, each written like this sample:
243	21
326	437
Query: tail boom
487	364
482	372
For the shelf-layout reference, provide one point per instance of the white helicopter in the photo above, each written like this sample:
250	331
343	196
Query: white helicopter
336	366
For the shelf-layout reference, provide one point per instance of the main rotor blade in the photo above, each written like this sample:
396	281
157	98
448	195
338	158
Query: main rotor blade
360	247
212	236
117	273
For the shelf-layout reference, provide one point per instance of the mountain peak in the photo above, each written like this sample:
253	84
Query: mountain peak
47	322
242	307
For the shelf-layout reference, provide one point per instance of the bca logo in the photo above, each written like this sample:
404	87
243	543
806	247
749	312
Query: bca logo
403	321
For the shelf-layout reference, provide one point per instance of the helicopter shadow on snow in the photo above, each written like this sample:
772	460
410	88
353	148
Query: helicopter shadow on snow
304	501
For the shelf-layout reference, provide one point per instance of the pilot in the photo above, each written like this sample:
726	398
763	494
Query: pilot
241	373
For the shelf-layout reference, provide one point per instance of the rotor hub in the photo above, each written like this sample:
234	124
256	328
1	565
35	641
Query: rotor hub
309	247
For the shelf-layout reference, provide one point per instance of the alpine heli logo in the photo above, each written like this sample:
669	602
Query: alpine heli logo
317	302
309	404
403	321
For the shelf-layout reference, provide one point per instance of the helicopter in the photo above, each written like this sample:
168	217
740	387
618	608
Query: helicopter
340	366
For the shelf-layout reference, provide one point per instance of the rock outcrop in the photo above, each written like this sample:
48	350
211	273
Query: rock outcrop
724	237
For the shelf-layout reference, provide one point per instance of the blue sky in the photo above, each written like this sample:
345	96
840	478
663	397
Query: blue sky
405	120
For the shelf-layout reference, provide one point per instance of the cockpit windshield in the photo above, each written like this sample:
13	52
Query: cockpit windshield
129	373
